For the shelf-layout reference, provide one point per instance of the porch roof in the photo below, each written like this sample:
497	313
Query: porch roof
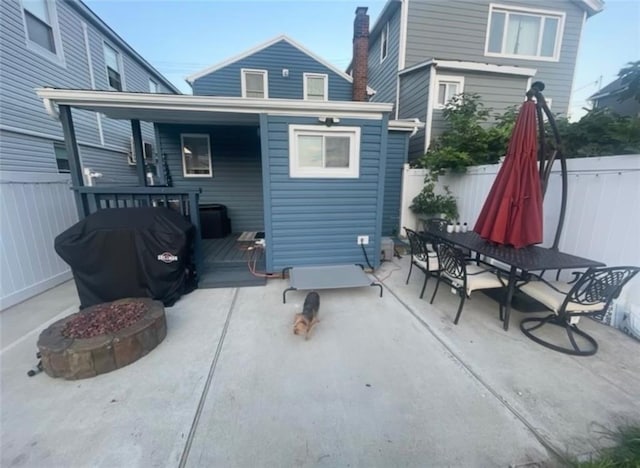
168	108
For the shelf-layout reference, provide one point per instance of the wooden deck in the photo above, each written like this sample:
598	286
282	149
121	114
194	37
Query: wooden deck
226	263
226	250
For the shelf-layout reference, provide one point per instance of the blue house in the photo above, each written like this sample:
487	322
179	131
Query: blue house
284	140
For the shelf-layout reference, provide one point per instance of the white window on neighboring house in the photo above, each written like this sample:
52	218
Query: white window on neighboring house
324	152
114	67
196	155
255	83
154	87
316	87
524	33
384	42
446	88
41	27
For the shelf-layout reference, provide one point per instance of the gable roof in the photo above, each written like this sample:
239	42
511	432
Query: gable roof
614	87
191	78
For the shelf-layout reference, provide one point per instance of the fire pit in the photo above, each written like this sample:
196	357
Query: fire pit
102	338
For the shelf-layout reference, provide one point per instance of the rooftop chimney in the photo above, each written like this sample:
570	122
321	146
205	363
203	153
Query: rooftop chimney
360	54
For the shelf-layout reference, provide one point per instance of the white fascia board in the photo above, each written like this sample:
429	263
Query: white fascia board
408	125
591	6
485	67
417	66
96	100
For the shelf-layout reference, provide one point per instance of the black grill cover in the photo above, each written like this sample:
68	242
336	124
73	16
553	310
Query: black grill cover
129	252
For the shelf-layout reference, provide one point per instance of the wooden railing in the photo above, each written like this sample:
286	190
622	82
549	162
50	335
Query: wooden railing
184	201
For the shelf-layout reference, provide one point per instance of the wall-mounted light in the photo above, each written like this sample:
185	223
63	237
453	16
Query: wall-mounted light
285	73
329	121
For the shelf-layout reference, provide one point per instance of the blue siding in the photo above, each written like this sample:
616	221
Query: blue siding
226	81
382	75
317	221
397	143
237	170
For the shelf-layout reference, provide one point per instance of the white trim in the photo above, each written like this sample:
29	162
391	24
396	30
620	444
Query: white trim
473	66
397	103
352	172
573	81
429	118
184	165
103	101
593	6
56	57
92	77
265	81
560	15
120	70
404	25
406	125
315	75
459	80
384	33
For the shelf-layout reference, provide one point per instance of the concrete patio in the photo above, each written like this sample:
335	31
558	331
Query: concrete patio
382	382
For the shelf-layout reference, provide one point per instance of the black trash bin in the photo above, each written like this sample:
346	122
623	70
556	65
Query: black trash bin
130	252
214	221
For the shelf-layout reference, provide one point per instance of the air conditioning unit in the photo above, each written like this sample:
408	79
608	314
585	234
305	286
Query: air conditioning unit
148	153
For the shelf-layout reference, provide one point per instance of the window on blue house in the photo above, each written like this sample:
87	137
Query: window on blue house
114	67
41	28
196	155
384	42
316	87
255	83
324	152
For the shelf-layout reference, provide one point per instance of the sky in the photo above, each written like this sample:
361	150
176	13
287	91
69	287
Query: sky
182	37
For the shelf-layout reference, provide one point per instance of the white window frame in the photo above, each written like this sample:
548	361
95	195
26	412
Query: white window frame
154	86
507	9
352	172
58	55
184	164
315	75
120	65
265	81
459	80
384	42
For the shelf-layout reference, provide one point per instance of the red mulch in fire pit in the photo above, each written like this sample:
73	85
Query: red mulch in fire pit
105	319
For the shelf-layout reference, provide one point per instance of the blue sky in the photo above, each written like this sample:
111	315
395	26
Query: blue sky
182	37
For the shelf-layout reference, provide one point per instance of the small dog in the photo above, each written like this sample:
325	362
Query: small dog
309	317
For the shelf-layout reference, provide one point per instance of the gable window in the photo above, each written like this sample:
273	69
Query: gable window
384	42
114	71
316	87
196	155
323	152
62	158
153	86
41	26
524	33
255	83
446	88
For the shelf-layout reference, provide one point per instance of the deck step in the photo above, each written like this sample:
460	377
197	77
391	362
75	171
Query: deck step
228	276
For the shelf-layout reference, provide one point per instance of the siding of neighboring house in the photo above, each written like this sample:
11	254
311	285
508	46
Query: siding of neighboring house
456	30
397	145
237	170
382	76
413	103
629	107
317	221
281	55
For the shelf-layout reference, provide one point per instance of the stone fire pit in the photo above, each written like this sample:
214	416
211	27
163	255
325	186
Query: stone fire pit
102	338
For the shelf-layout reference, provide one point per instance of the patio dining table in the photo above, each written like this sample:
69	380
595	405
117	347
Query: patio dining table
526	259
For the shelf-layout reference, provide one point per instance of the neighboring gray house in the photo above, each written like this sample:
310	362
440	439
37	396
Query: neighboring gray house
422	52
60	44
609	98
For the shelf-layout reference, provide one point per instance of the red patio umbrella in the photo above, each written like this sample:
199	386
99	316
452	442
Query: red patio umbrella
512	212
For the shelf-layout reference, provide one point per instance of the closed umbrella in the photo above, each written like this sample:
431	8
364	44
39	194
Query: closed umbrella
512	212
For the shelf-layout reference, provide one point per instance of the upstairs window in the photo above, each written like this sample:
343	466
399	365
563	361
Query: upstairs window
196	155
384	42
153	86
62	158
255	83
322	152
114	70
524	33
446	88
41	26
315	87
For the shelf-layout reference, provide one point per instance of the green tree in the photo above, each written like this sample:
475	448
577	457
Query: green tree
630	77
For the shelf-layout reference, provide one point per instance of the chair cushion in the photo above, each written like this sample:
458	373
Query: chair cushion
542	292
433	262
477	278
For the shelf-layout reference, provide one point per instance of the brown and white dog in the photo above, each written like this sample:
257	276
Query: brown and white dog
304	321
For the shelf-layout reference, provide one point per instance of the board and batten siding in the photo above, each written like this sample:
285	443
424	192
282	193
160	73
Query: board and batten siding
237	170
456	30
413	103
317	221
281	55
397	144
382	75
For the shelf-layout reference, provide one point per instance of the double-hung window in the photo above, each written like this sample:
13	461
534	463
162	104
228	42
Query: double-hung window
524	33
154	87
41	27
446	88
196	155
255	83
324	152
114	69
316	87
384	42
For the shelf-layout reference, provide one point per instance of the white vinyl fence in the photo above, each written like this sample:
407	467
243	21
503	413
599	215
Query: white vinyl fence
603	209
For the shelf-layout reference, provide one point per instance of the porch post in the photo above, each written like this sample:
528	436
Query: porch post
73	153
138	151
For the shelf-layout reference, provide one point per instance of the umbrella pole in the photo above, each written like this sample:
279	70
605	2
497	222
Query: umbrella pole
546	165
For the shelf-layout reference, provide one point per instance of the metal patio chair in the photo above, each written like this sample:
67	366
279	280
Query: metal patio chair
590	294
463	276
422	257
